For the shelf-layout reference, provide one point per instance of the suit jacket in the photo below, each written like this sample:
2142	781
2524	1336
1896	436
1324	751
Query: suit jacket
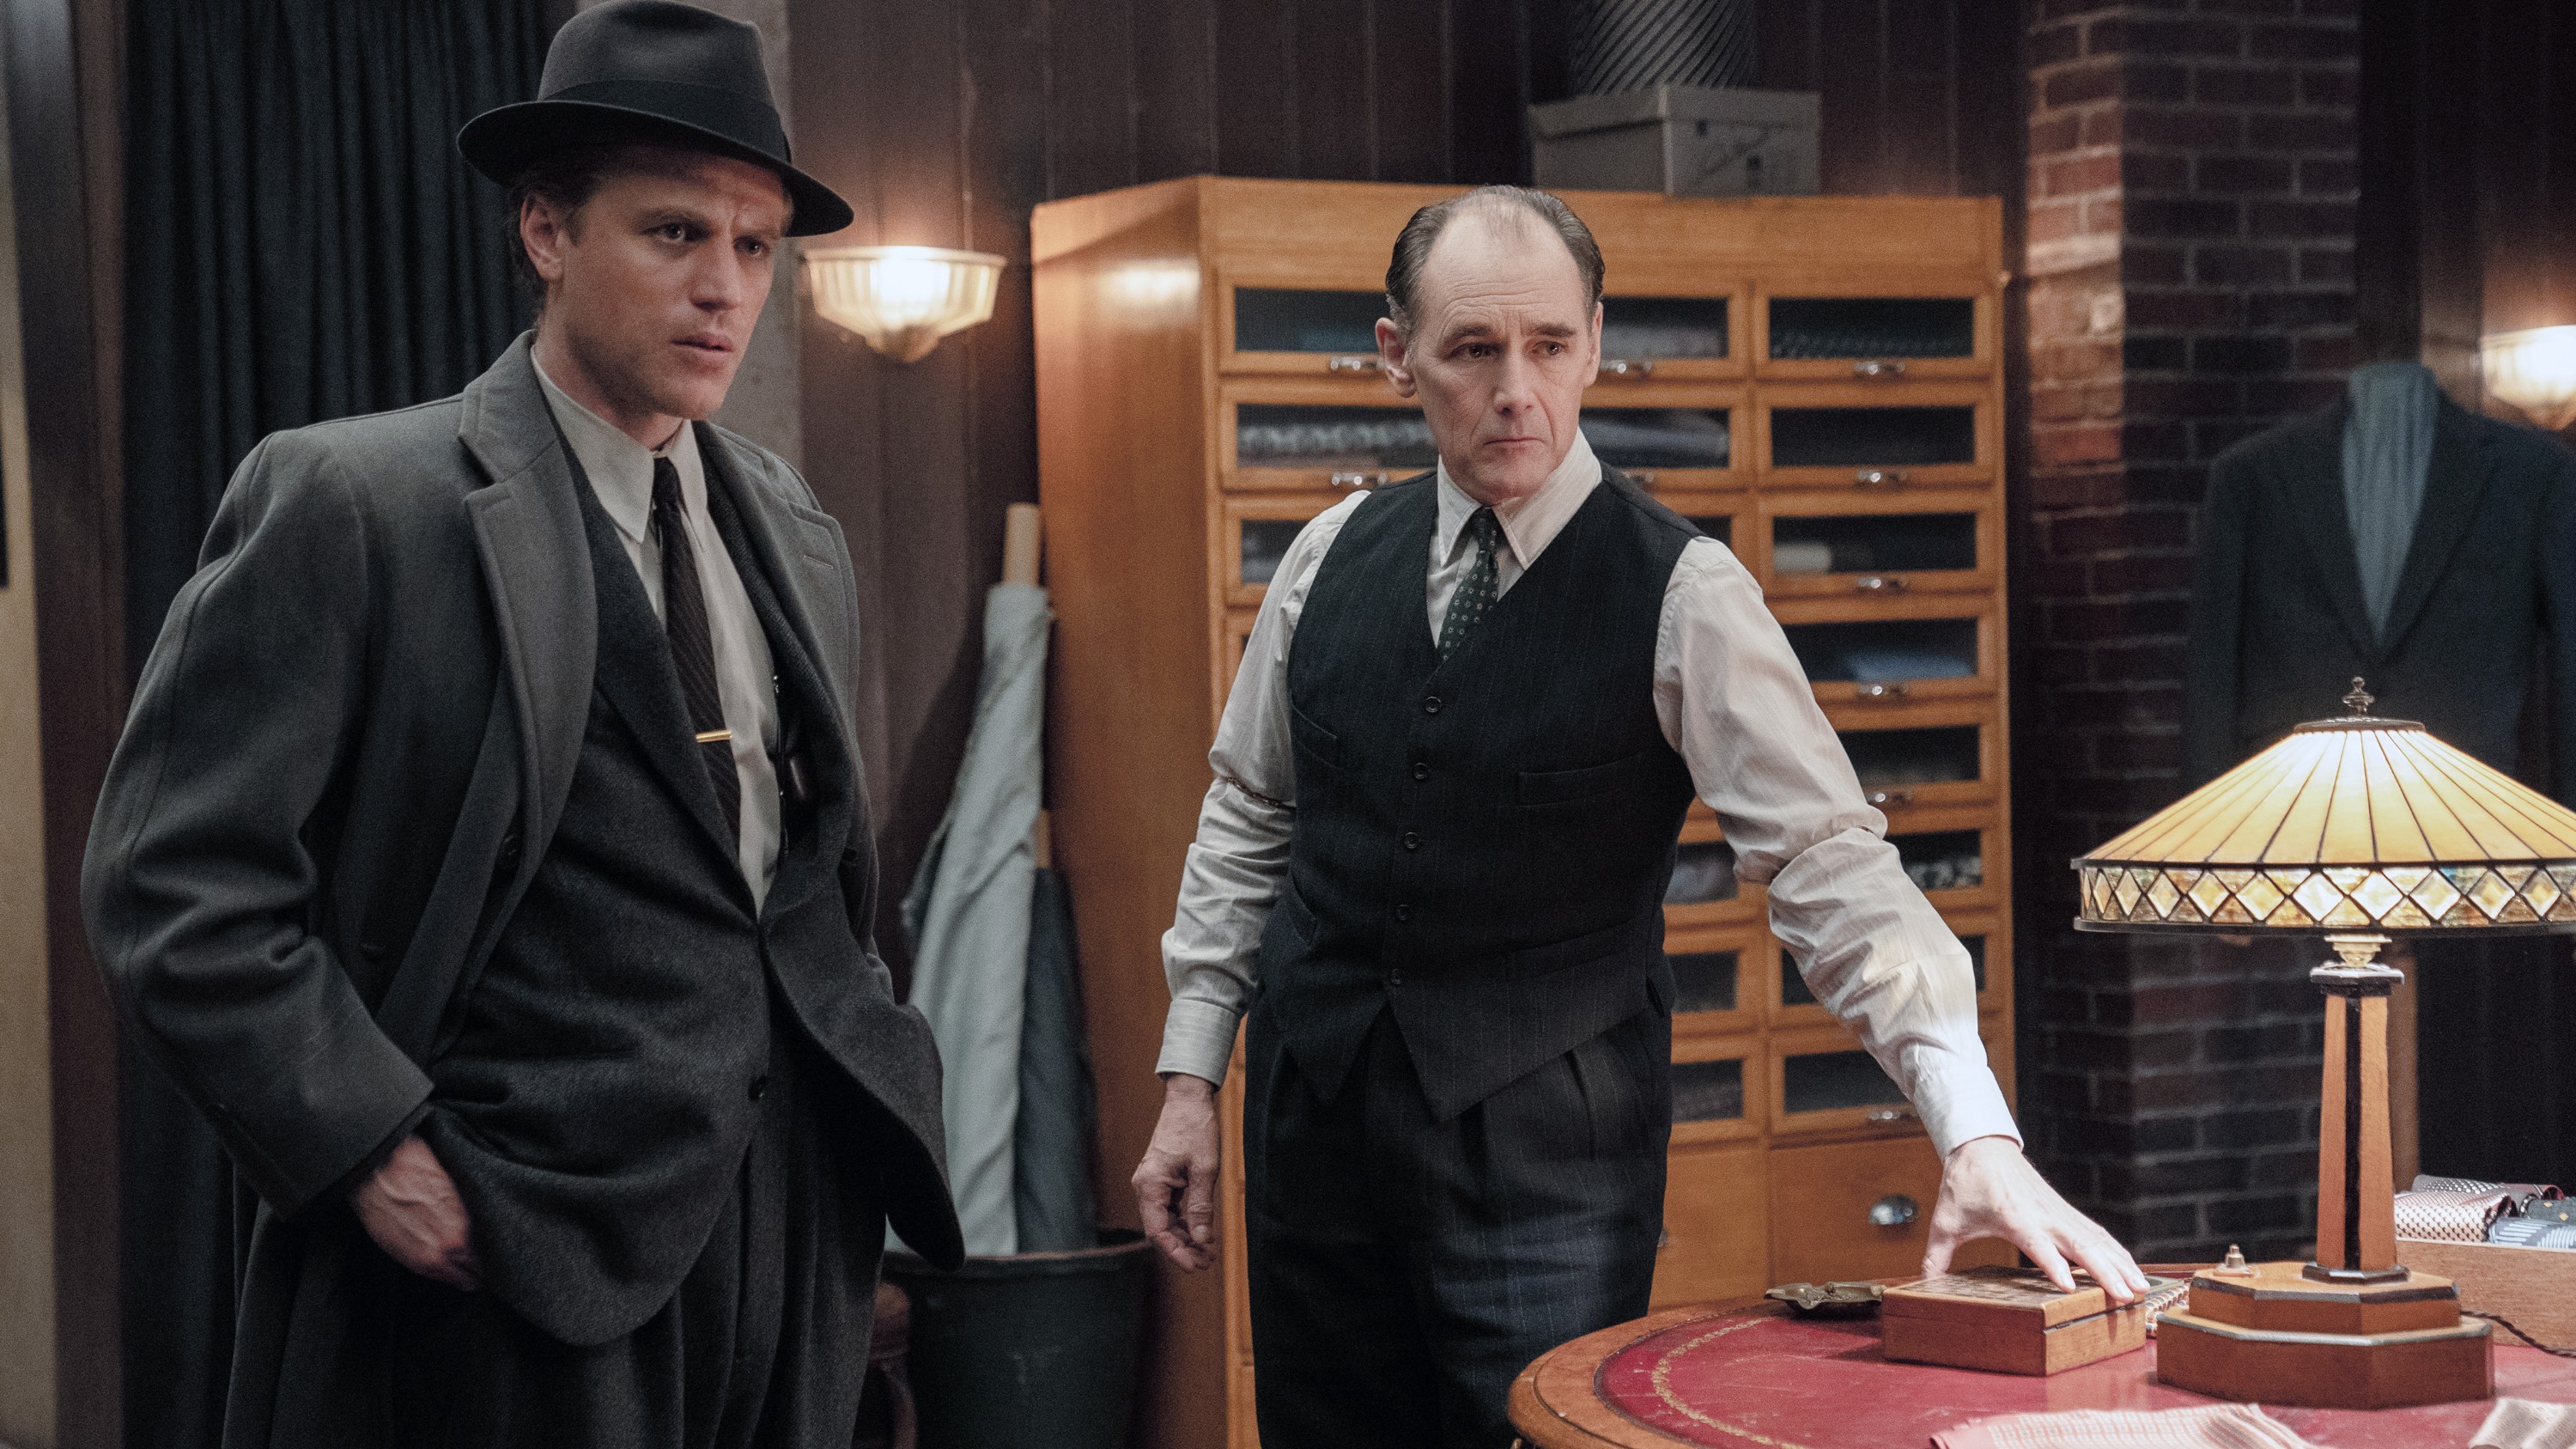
346	758
2279	630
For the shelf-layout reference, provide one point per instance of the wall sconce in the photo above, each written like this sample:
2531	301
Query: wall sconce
2535	370
902	300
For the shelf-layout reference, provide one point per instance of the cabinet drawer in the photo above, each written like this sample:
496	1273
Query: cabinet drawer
1716	1226
1895	651
1884	339
1254	539
1922	756
1852	1209
1704	890
1856	545
1879	441
1669	439
1320	436
1726	517
1718	1089
1721	977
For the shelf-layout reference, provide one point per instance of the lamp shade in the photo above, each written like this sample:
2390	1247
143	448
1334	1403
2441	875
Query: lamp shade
902	300
2354	824
2535	370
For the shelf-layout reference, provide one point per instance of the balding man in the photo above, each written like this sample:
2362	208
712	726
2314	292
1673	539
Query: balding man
1430	874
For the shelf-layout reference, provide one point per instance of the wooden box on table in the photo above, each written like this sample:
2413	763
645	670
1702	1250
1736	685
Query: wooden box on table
2009	1320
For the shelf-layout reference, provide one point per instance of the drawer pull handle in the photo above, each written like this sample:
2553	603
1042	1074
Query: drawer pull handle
1879	584
1355	362
1877	367
1642	479
1895	1210
1889	797
1633	367
1881	1116
1881	691
1363	481
1880	477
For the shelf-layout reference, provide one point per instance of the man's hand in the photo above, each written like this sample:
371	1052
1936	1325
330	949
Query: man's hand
411	1209
1176	1183
1989	1190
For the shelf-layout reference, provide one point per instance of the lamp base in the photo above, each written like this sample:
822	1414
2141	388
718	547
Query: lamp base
2274	1335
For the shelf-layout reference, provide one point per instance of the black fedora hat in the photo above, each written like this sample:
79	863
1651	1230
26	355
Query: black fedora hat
657	71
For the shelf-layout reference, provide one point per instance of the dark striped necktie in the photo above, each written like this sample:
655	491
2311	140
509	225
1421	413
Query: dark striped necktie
693	653
1476	591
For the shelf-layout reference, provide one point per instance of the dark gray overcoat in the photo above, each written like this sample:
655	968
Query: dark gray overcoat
345	761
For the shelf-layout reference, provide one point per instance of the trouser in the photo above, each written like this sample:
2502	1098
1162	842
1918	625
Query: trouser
1404	1270
762	1347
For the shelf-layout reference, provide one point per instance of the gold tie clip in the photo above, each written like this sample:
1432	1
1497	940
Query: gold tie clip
710	737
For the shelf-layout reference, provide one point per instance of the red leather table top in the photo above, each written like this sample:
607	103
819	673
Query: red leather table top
1758	1377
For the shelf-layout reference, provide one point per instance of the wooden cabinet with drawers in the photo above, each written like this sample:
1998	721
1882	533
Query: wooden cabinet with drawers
1815	382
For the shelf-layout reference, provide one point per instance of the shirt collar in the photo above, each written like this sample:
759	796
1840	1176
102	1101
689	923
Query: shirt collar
621	469
1530	524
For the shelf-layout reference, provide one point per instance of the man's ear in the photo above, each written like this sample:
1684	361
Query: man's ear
545	233
1391	355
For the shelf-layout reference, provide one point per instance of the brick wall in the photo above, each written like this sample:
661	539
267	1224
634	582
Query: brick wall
2191	226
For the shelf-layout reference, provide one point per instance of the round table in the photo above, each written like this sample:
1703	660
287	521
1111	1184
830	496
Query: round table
1756	1375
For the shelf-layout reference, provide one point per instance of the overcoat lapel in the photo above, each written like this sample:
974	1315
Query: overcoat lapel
800	550
2316	496
536	564
2453	486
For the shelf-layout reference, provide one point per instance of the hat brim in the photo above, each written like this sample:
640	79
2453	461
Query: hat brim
503	143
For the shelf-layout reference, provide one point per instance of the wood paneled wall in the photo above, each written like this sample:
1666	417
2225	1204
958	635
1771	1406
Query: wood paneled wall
2468	177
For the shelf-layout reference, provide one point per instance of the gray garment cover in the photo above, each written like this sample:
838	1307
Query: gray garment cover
2387	455
969	911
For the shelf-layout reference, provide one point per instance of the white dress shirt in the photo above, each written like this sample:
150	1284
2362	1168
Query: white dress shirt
1733	702
621	475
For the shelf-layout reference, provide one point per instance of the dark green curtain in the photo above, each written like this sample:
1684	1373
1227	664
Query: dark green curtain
302	243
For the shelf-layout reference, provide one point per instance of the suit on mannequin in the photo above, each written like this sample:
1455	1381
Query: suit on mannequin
2399	537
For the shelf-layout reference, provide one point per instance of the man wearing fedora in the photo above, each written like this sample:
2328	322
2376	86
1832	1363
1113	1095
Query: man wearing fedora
487	857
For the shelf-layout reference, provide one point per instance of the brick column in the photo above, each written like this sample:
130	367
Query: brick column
2191	223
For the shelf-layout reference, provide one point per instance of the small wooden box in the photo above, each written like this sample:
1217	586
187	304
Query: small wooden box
2008	1320
2533	1290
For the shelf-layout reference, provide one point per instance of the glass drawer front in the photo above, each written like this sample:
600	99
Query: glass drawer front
1284	319
1708	1091
1704	872
1886	650
1881	543
1656	328
1943	860
1835	1081
1299	435
1630	438
1717	526
1941	755
1793	982
1704	981
1861	327
1265	546
1872	437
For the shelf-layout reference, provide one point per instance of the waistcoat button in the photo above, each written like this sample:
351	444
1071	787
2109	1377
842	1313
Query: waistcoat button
1403	912
759	1086
1395	978
1412	840
1422	769
1431	705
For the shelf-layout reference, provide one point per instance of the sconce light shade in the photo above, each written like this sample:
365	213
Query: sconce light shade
902	300
2535	370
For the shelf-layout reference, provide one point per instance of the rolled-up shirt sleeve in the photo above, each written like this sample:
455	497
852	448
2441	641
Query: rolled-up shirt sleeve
1735	703
1239	860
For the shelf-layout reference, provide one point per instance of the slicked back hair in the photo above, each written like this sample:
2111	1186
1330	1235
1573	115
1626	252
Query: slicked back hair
1413	244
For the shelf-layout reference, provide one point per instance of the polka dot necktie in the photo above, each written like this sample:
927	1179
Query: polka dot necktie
1476	591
